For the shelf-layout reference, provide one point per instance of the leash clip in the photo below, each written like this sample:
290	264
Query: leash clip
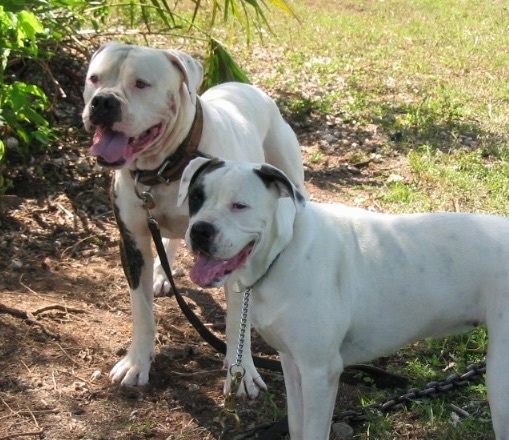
237	373
147	199
229	412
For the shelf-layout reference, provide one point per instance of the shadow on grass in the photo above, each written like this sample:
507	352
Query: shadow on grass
439	123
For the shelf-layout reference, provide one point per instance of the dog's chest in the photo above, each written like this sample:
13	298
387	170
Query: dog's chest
271	320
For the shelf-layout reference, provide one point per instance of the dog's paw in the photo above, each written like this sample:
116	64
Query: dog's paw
161	284
131	372
252	382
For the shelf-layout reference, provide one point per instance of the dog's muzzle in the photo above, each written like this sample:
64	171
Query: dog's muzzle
202	236
105	110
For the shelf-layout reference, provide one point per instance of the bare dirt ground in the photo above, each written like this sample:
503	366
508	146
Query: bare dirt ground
65	312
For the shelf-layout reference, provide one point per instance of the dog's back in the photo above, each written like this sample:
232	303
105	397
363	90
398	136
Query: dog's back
252	118
403	277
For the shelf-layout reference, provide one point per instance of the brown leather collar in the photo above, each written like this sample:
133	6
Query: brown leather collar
172	168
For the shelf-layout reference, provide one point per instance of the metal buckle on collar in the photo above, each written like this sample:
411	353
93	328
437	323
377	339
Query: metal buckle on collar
161	170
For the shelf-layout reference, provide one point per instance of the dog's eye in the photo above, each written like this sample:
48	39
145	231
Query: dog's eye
94	79
238	206
140	84
196	199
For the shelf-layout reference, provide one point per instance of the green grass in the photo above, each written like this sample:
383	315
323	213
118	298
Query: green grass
458	181
433	70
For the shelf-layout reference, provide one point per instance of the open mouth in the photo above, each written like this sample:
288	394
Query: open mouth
210	272
140	142
114	147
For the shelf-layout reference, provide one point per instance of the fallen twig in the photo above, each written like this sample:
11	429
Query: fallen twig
13	312
22	434
27	317
66	355
28	287
251	432
197	373
58	307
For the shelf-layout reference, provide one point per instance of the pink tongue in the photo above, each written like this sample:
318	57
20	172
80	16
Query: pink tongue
206	270
108	144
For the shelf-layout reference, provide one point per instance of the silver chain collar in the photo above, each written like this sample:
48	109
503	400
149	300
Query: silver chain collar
242	328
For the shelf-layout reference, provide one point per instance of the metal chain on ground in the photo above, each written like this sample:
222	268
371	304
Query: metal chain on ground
430	390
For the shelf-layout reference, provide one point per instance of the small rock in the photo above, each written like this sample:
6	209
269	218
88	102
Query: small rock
15	264
342	431
329	138
179	272
12	143
395	178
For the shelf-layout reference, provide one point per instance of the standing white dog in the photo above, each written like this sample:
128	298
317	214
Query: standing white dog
332	286
149	123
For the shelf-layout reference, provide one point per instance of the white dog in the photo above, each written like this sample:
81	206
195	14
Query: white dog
149	123
332	285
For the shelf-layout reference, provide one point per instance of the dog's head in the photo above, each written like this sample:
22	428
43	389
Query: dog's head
136	99
237	215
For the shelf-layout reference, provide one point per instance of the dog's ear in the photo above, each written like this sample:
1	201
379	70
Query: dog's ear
190	68
192	171
271	175
110	45
100	49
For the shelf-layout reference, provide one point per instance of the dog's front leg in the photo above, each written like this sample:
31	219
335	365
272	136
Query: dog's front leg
161	283
294	398
137	261
319	389
252	382
310	392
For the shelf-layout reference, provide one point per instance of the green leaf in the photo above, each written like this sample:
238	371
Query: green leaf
221	67
34	116
18	95
29	24
283	6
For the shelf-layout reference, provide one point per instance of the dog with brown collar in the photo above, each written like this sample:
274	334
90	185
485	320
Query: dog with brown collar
148	123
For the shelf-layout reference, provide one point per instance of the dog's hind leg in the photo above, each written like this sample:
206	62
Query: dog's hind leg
161	283
497	363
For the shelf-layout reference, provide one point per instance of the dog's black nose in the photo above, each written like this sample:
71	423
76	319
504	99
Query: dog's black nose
202	236
105	110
